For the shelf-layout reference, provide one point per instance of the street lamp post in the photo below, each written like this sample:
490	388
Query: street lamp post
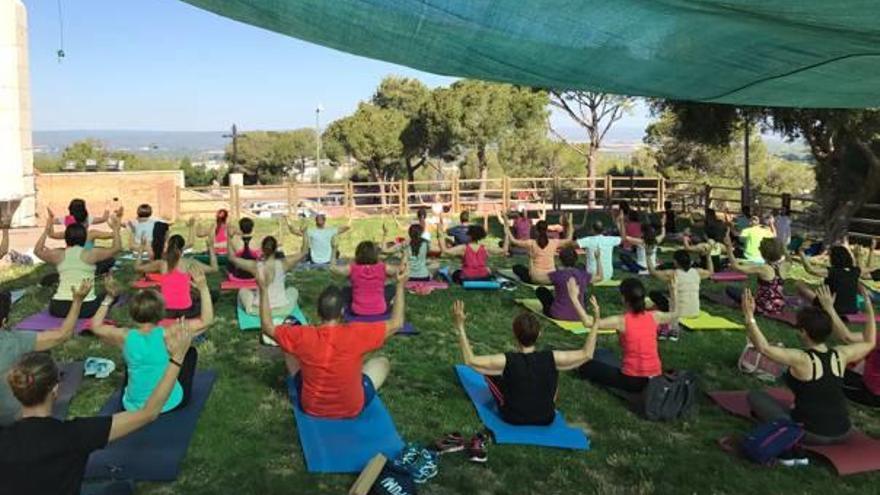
318	147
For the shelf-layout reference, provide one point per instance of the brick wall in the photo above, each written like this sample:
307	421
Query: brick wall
158	188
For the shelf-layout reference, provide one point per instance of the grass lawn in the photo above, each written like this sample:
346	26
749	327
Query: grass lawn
246	441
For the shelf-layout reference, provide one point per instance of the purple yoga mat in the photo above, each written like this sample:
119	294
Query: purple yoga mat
859	318
407	329
44	321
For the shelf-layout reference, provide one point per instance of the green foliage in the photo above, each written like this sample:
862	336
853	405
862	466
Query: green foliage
270	156
198	175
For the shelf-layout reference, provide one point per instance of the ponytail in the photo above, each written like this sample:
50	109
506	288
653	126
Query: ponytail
174	251
415	239
247	253
541	231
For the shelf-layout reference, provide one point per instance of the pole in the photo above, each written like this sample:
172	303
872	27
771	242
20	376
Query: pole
747	180
234	137
318	148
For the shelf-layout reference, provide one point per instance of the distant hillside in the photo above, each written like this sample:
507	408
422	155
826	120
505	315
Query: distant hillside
166	143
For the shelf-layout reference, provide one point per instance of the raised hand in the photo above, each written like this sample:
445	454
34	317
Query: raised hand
403	272
198	278
80	293
594	305
458	314
748	304
178	339
825	298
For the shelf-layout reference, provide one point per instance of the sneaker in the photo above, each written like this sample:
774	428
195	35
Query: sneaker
477	449
793	458
674	332
663	332
451	442
407	457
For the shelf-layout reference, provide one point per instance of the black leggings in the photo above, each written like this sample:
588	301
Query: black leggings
546	297
348	297
184	378
192	312
59	309
855	390
522	272
610	376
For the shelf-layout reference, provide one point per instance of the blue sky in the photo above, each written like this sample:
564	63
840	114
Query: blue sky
165	65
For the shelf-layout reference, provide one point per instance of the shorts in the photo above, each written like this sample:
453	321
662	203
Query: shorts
369	388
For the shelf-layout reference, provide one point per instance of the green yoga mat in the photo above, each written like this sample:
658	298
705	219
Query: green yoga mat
574	327
222	259
247	321
706	321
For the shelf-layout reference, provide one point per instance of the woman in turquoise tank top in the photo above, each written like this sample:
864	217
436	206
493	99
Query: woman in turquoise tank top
143	347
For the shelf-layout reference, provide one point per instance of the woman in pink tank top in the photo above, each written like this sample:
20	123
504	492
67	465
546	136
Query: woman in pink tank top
367	295
474	256
637	331
175	276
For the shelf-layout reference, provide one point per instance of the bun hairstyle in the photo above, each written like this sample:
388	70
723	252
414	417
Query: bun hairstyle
246	225
32	378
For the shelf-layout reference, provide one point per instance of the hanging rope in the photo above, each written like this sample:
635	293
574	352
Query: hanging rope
60	52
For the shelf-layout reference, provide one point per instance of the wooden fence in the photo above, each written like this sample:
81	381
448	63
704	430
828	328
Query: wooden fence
556	193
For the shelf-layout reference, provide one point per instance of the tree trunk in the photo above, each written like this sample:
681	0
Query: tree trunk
377	178
837	223
484	173
591	174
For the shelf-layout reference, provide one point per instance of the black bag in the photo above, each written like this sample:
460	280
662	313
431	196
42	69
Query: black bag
393	481
670	396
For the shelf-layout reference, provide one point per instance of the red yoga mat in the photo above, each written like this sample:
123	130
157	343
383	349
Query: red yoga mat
729	277
859	454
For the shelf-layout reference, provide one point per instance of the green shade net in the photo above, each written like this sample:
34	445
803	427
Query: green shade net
805	53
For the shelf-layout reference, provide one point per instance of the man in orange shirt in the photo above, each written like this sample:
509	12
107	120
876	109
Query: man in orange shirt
327	360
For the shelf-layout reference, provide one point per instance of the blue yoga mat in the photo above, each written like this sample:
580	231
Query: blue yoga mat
481	284
557	434
247	321
345	445
155	452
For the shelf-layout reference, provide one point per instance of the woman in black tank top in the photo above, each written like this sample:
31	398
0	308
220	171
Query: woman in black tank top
815	374
524	382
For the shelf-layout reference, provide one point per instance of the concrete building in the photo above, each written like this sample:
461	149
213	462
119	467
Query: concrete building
16	148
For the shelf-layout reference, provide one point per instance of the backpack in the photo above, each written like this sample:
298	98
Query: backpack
670	396
752	362
766	442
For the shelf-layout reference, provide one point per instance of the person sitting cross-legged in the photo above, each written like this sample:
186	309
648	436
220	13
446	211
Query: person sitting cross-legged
524	383
815	372
555	303
282	299
40	454
143	347
687	287
637	330
326	360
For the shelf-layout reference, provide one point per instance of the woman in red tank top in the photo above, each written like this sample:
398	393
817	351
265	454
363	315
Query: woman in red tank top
474	256
637	331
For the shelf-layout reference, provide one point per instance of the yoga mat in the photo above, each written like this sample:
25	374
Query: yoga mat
44	321
729	277
238	284
706	321
222	259
425	287
344	445
508	274
575	327
859	318
407	329
787	317
308	265
858	454
247	321
557	434
481	284
155	452
608	283
144	284
71	378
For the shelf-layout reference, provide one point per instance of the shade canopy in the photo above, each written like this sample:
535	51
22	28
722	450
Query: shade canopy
804	53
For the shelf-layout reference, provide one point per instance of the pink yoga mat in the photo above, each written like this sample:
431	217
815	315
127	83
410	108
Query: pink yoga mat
144	284
859	318
170	322
859	454
425	288
787	317
238	284
729	277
